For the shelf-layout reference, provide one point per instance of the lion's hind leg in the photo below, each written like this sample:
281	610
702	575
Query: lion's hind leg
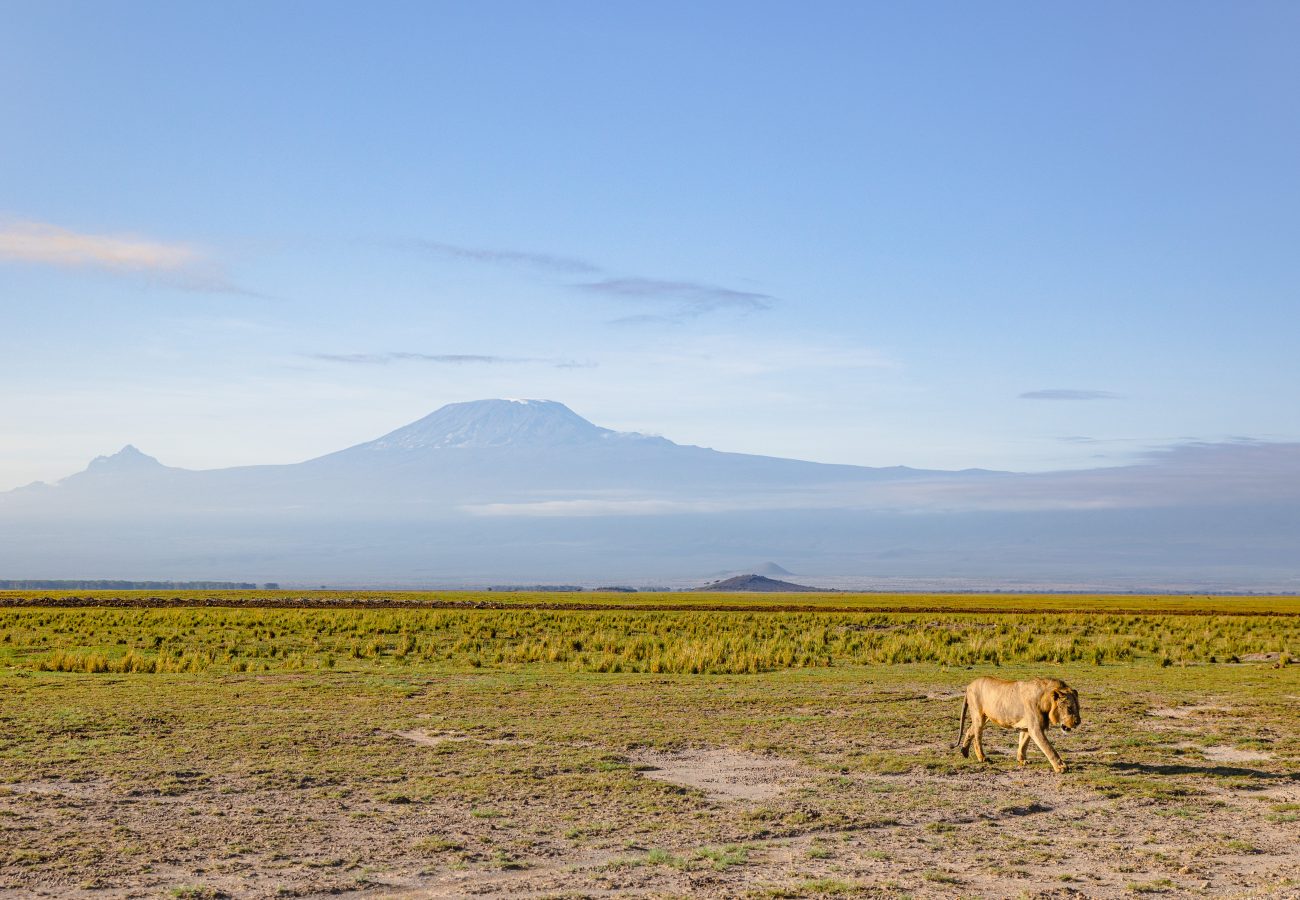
963	737
967	739
972	737
977	733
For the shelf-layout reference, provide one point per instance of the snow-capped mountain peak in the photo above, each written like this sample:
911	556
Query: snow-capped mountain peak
495	423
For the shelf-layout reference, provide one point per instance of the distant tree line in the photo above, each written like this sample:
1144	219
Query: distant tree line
106	585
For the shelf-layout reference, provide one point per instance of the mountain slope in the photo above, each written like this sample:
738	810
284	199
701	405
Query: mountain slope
493	452
487	456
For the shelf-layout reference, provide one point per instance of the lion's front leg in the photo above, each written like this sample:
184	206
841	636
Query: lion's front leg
1020	751
1048	750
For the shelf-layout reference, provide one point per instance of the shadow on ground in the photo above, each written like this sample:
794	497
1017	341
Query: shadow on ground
1218	771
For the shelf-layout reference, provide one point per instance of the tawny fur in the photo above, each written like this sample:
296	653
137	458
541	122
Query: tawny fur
1031	707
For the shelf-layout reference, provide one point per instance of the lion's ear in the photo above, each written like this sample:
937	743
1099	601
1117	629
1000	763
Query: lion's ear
1060	693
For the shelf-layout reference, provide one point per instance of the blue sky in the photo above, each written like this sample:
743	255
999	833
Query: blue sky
942	235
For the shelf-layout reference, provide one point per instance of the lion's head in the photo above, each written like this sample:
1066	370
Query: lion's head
1065	708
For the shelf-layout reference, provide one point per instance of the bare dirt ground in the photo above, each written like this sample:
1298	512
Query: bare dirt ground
806	784
1071	843
720	773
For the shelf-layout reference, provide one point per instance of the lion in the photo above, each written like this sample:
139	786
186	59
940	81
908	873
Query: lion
1029	706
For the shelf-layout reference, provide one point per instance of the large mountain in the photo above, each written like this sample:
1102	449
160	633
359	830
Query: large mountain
500	490
465	458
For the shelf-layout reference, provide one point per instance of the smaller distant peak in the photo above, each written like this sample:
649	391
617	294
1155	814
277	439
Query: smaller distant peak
33	487
130	451
129	458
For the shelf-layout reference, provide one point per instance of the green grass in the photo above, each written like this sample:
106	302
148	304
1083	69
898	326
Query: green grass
1285	812
157	641
233	722
831	886
723	858
937	877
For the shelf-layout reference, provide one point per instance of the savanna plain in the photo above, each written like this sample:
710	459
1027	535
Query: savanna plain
273	744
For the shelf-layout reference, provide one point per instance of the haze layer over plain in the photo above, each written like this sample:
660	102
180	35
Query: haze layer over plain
507	490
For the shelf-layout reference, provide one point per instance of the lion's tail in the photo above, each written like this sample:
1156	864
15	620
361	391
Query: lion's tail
961	727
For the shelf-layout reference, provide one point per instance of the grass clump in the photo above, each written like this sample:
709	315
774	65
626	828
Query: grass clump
196	892
655	857
723	858
433	845
831	886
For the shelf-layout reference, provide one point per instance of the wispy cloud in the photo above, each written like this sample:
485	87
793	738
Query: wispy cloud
547	261
178	265
676	300
1068	394
383	359
647	319
43	244
693	297
454	359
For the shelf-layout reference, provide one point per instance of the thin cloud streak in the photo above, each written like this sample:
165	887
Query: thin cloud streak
175	265
547	261
455	359
688	299
43	244
646	319
696	296
1067	394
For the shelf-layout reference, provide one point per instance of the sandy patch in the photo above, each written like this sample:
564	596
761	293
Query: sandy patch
56	788
722	774
1185	712
945	695
1224	753
433	739
426	739
1284	793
